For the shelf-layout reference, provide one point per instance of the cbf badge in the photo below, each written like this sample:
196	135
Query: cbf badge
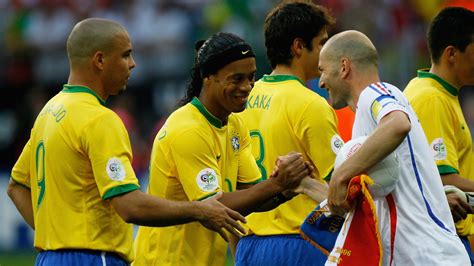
115	169
235	143
207	180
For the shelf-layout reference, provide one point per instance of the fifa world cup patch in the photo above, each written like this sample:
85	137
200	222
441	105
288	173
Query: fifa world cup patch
115	169
439	149
336	143
207	180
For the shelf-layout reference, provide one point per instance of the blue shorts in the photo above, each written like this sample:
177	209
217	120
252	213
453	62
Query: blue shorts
78	257
277	250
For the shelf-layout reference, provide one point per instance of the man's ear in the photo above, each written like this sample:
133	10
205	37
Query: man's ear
206	81
297	47
345	67
99	60
449	53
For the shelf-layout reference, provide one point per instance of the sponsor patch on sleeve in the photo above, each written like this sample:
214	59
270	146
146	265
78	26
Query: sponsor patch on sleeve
439	149
207	180
336	143
115	169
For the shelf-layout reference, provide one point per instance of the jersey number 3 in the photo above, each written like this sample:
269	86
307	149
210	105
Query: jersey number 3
261	154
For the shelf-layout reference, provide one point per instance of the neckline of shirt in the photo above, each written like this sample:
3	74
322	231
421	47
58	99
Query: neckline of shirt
76	88
280	78
216	122
424	73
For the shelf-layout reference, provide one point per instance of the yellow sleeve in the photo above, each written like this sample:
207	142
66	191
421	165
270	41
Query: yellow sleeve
248	170
21	170
436	120
106	142
317	128
465	227
196	164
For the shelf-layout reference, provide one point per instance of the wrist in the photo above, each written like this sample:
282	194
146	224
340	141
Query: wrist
275	186
282	197
194	210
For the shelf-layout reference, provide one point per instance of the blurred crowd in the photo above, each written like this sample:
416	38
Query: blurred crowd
34	64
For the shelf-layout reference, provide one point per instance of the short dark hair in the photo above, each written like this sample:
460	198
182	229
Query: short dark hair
291	20
209	59
452	26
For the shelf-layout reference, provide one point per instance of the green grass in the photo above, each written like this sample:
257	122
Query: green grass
17	258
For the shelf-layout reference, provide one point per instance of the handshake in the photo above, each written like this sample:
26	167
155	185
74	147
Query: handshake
461	203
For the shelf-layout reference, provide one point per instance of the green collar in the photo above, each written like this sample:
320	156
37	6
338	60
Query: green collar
210	117
280	78
424	73
74	88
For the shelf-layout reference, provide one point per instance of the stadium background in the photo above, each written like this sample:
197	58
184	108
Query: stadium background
33	65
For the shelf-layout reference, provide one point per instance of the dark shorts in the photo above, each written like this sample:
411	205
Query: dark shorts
73	257
277	250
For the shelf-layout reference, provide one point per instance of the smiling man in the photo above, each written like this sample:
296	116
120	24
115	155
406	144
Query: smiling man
414	222
203	148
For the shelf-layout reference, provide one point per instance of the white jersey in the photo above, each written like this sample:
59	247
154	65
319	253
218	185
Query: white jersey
415	223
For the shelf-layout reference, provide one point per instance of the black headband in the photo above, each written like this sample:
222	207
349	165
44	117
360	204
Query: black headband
227	56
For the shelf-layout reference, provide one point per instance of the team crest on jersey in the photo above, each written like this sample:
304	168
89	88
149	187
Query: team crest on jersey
207	180
235	141
115	169
336	143
439	149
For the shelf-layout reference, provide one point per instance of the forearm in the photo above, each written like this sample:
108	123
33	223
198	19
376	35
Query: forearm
458	181
316	190
142	209
251	199
391	131
21	197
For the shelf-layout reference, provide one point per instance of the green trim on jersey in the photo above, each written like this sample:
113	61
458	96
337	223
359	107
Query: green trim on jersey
207	196
423	73
73	88
211	118
251	183
446	169
119	190
328	177
280	78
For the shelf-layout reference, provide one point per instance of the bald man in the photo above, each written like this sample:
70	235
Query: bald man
74	183
414	220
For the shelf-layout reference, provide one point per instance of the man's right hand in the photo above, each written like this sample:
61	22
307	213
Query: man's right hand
217	217
459	208
291	169
458	202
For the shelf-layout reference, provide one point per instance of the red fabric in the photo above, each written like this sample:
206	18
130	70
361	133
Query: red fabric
345	118
362	245
393	223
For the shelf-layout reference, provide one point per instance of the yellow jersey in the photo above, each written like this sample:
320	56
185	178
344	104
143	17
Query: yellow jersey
283	116
78	156
436	104
194	156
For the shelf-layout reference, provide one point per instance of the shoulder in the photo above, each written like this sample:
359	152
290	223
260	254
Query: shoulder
185	123
420	89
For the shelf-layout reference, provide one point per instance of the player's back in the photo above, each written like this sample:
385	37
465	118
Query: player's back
283	116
